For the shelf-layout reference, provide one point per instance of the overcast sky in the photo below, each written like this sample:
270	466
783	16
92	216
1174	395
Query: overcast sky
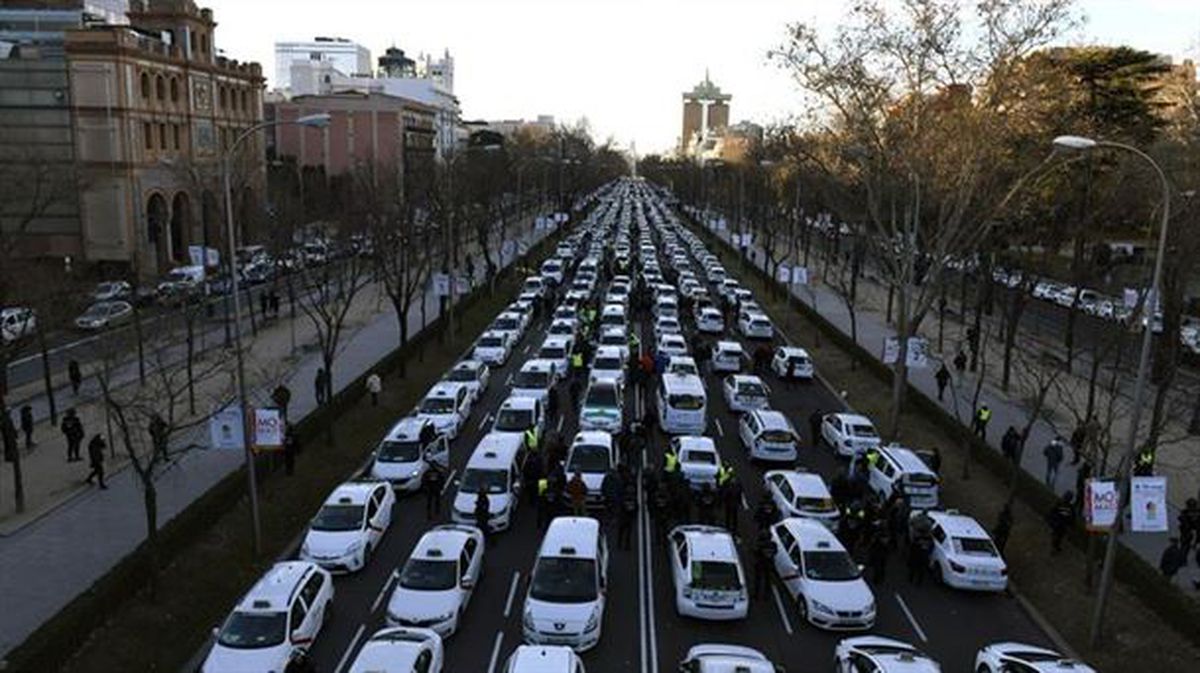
622	64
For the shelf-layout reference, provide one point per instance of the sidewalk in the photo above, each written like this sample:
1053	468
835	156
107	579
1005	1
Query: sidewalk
52	559
873	331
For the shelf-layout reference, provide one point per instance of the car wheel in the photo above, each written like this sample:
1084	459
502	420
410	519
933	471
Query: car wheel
983	668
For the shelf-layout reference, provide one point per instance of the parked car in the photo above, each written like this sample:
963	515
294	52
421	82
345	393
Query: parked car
881	655
17	323
400	650
349	526
707	572
821	576
1021	658
438	579
105	314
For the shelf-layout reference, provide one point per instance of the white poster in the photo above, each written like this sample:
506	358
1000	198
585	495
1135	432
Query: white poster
225	429
196	255
1100	504
268	429
784	273
212	257
800	275
722	224
463	286
441	284
1148	501
1131	297
891	350
917	356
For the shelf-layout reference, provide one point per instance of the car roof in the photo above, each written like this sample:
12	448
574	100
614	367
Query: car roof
443	542
958	525
469	364
571	536
790	351
709	543
521	403
906	459
771	419
672	337
745	378
855	419
593	437
543	658
538	365
445	389
812	535
696	443
352	493
407	428
556	341
803	483
684	383
729	346
607	352
495	449
274	590
494	333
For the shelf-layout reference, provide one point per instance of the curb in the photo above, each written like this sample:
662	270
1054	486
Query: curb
1042	623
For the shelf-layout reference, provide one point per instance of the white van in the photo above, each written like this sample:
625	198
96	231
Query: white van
565	602
900	470
493	468
682	404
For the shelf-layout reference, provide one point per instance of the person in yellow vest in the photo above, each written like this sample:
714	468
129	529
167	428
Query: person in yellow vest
544	504
671	461
982	417
872	456
531	439
724	474
1143	463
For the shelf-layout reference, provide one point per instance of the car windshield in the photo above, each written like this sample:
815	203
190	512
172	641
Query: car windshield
750	389
777	436
252	630
601	396
491	342
704	457
462	374
338	518
715	576
437	405
429	575
399	452
588	458
506	324
514	420
686	402
815	504
683	368
976	546
863	431
96	311
552	353
613	340
531	379
561	328
560	579
606	363
829	566
490	481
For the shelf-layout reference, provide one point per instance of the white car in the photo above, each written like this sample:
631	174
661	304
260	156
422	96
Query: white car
849	434
544	659
682	365
881	655
536	379
963	553
492	348
494	468
802	494
728	356
557	350
473	374
755	325
447	405
699	461
796	358
553	270
349	526
709	320
535	285
563	327
672	344
1021	658
667	325
608	363
568	585
400	650
745	392
512	324
900	470
518	414
593	455
16	323
406	452
612	315
709	582
603	406
616	337
437	581
274	622
716	658
767	434
821	576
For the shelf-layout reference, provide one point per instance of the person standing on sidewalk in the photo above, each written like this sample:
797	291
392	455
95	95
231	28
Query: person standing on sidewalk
374	386
1054	457
960	362
27	426
282	397
1060	520
320	387
943	380
75	375
72	429
1078	436
982	418
1189	524
1010	444
96	460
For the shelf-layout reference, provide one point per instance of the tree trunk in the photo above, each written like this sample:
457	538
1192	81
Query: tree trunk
900	369
18	478
190	316
150	502
141	341
45	352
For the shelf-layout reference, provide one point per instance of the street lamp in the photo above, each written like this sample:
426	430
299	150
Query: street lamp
1079	143
311	121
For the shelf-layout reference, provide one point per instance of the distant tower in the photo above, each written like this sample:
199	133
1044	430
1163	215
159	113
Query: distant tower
705	112
394	63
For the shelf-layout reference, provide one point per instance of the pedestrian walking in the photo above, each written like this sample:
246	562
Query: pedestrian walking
764	561
577	492
731	498
75	375
291	447
1173	558
96	460
814	427
1078	437
282	397
1003	529
27	426
982	417
960	362
374	386
1010	444
320	386
877	554
1060	519
1189	524
626	518
918	559
943	380
483	515
72	429
1054	453
433	482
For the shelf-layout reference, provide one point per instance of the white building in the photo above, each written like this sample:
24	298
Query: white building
348	58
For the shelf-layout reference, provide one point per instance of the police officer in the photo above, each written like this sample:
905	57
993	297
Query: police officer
982	417
767	512
706	502
545	502
531	440
1143	464
731	497
627	515
764	561
670	462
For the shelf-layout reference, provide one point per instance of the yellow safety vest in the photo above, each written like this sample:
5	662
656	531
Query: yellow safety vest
577	360
872	457
543	485
1145	458
531	439
724	474
672	462
985	415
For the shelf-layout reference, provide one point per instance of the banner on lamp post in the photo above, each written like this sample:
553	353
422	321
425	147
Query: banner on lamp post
783	274
917	356
225	429
268	429
441	284
1100	504
1148	504
800	275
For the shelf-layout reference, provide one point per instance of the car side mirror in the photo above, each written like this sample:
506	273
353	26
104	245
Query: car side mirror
467	582
216	631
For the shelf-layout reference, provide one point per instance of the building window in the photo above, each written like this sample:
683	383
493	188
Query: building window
174	90
224	99
203	43
162	136
160	87
175	129
145	86
148	135
245	101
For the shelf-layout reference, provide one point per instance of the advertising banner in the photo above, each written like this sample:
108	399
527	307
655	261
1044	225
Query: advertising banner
1148	503
225	429
1100	504
268	429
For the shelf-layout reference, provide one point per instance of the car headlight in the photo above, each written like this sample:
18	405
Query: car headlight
527	620
818	606
354	547
870	609
593	621
304	550
446	617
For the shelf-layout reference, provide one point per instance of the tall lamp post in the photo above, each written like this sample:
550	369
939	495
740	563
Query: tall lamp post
1081	144
312	121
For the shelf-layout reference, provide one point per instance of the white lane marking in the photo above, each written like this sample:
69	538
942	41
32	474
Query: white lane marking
449	480
651	624
745	503
512	592
484	421
495	652
382	592
720	430
641	535
561	417
508	381
787	624
911	619
350	650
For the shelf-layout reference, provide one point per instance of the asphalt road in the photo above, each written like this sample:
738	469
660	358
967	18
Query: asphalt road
641	631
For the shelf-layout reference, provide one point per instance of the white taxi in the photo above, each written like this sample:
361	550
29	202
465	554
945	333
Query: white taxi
568	585
473	374
767	434
1021	658
603	406
447	405
667	324
671	344
718	658
881	655
437	581
709	320
510	323
699	461
709	582
755	325
963	553
544	659
593	456
558	351
492	348
536	379
728	356
406	452
849	434
821	577
616	337
798	493
796	358
349	526
745	392
608	363
400	650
